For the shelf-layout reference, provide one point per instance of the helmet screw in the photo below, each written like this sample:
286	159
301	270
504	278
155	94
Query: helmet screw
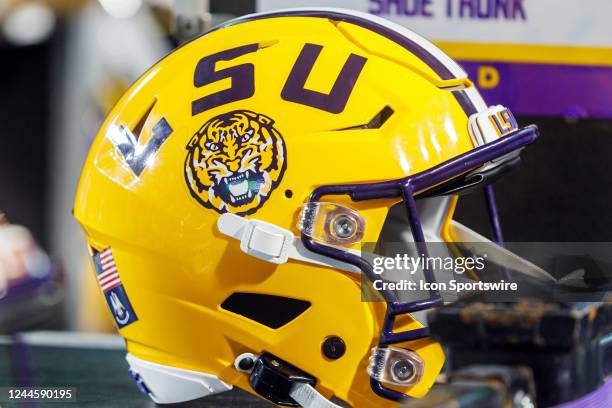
246	363
403	370
333	347
344	226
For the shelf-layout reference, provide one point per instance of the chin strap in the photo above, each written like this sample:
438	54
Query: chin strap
279	382
308	397
272	243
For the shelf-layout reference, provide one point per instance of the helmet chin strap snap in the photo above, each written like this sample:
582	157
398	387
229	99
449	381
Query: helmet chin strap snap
272	243
280	382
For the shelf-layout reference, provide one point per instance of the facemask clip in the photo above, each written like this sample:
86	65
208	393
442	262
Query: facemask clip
331	223
395	366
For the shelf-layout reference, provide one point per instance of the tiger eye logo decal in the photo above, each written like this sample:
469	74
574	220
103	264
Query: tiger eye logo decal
235	161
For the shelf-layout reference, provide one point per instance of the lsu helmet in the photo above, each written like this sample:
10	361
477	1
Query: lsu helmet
227	195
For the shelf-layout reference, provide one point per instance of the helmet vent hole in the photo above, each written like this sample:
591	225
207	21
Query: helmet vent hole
140	125
376	122
288	193
271	311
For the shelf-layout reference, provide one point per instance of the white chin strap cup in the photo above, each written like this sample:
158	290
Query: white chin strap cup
272	243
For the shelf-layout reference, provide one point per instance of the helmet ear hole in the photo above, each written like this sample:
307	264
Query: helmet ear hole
288	193
269	310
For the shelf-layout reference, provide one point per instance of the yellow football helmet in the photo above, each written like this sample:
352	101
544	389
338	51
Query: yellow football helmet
227	195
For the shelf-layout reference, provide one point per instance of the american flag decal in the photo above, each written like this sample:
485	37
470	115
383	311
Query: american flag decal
112	288
108	277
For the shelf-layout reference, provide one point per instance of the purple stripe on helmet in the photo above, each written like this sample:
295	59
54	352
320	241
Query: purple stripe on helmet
434	63
465	102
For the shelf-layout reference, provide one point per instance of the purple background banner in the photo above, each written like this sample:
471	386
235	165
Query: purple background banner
547	90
